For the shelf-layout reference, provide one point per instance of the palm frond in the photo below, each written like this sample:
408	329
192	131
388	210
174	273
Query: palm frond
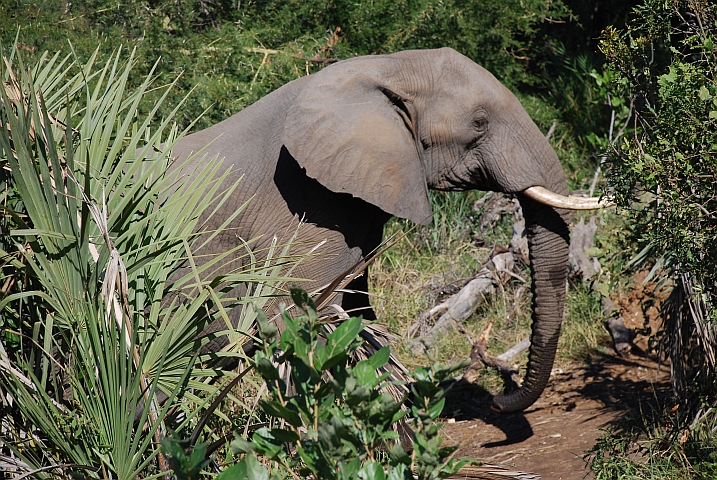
102	221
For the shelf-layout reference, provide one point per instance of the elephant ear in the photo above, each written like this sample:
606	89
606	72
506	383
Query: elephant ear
346	131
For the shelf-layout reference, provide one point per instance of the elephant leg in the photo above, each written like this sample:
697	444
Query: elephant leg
357	302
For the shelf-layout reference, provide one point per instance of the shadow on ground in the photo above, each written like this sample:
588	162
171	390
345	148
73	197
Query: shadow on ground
551	437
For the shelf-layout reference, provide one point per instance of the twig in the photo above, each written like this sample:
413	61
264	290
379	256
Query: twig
253	408
493	472
53	467
317	59
264	51
267	51
612	142
480	352
603	158
454	310
515	350
551	131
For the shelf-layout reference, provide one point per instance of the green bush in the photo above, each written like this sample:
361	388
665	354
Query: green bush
664	173
339	422
231	54
212	45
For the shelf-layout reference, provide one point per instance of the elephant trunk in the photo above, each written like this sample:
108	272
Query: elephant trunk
548	239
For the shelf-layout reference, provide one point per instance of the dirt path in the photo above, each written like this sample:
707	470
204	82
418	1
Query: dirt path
551	437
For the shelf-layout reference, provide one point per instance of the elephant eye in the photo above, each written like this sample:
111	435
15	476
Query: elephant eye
481	125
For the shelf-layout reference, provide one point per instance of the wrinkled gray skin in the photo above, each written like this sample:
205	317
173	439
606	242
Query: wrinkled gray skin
363	140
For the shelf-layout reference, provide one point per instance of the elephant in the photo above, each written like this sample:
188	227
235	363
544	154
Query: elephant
363	140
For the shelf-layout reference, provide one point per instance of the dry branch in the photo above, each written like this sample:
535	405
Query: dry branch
453	311
510	354
493	472
480	353
500	269
267	51
692	337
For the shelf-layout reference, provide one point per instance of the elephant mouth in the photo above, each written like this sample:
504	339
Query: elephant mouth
545	196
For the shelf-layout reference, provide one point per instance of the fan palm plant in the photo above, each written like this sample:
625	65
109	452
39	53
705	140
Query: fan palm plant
95	320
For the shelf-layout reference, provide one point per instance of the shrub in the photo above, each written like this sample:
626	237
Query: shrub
663	174
339	422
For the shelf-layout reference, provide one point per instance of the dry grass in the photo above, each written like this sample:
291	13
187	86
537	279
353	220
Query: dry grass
411	278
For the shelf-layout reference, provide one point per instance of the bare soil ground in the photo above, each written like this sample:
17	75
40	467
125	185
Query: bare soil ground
552	437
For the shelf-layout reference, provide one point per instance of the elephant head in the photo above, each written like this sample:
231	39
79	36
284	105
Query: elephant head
387	128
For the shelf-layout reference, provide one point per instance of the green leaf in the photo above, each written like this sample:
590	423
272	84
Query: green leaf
366	375
344	335
266	444
399	415
357	394
327	363
266	369
320	358
668	78
372	471
239	445
235	472
197	461
329	433
248	468
285	436
311	458
290	334
398	454
400	472
267	331
302	300
422	374
304	378
380	358
433	429
704	93
349	470
255	470
325	392
275	409
172	448
294	340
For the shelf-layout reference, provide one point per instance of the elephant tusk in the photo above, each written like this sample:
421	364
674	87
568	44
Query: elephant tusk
545	196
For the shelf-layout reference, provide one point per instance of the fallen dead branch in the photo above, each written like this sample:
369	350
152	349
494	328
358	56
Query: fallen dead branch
582	241
268	51
453	311
500	269
480	353
510	354
622	336
493	472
